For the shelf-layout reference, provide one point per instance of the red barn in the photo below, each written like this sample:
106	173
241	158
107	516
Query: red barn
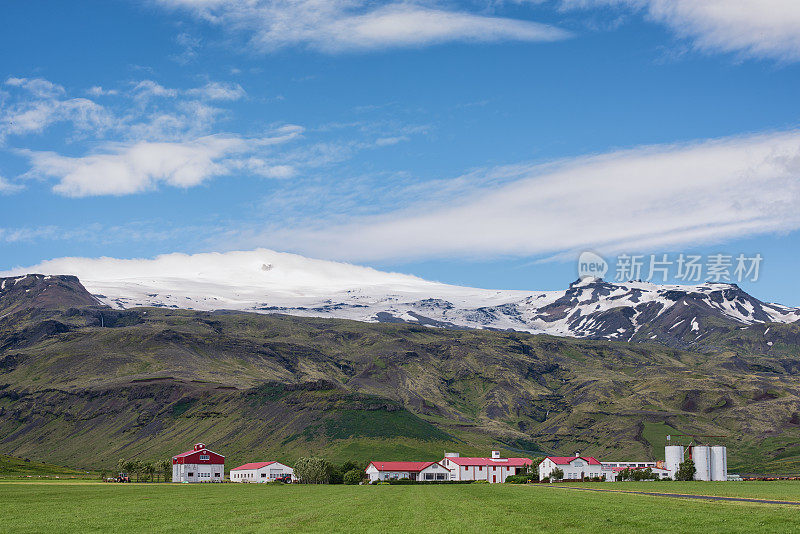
198	465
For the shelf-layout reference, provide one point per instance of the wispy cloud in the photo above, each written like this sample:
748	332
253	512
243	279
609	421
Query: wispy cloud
658	196
143	135
346	25
44	104
7	187
148	231
219	91
756	28
145	109
122	169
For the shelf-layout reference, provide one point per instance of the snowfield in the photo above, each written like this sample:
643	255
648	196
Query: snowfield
266	281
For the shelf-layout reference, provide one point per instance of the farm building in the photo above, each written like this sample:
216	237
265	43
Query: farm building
420	471
493	470
261	472
198	465
615	471
632	465
574	467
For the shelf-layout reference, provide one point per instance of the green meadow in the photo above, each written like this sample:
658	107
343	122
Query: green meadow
71	506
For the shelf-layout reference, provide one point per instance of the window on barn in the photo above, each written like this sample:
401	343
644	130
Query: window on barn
263	475
216	475
205	457
191	474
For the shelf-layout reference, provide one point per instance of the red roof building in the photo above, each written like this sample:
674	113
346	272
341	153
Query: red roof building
261	472
198	465
566	460
493	470
573	467
421	471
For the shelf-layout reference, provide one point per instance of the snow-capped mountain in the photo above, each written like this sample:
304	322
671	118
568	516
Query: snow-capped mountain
265	281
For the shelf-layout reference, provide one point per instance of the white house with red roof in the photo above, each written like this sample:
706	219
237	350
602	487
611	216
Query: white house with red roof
198	465
261	472
420	471
574	467
493	470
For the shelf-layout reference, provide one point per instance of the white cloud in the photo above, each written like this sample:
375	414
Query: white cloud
183	120
160	113
339	25
46	106
661	196
7	187
98	90
149	89
189	44
219	91
36	86
759	28
127	168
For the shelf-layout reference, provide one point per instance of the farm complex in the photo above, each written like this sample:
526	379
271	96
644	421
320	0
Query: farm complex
709	463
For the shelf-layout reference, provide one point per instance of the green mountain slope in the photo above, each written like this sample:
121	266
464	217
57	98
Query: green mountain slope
86	385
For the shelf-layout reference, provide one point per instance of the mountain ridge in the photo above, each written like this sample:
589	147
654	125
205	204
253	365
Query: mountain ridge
265	281
83	383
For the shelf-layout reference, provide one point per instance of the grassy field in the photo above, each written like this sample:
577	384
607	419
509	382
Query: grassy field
13	467
84	506
774	490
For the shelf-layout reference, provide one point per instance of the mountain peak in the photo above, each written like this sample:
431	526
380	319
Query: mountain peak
44	292
265	281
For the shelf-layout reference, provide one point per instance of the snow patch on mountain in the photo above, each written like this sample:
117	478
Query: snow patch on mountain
266	281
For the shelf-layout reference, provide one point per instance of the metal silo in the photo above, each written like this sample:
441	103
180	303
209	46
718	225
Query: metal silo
701	454
673	457
719	463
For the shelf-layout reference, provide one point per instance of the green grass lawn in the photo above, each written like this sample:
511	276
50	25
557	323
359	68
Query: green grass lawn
783	490
85	506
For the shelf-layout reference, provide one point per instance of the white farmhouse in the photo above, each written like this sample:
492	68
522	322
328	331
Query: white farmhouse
420	471
493	470
261	472
574	467
198	465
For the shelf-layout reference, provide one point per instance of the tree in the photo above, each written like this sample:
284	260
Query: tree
557	474
136	467
686	470
353	476
129	467
149	468
313	470
165	468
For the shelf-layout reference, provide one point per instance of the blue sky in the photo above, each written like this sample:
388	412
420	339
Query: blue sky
475	143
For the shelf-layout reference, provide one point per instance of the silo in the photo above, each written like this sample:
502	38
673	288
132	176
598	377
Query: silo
719	463
673	457
701	454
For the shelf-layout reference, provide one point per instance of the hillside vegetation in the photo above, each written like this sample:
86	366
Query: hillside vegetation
87	385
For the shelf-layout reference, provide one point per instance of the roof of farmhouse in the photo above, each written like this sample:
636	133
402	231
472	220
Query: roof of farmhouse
401	466
565	460
512	462
200	447
253	465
